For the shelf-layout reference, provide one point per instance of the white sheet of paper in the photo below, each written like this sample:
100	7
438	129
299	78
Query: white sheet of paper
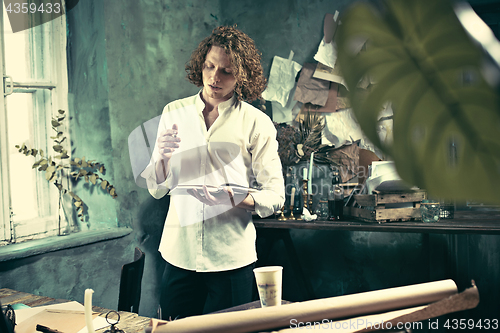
99	322
381	171
281	80
286	114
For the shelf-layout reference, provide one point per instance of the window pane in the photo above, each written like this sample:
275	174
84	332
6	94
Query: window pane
16	52
28	57
22	176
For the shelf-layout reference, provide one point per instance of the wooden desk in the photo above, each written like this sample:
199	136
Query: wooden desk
465	222
129	322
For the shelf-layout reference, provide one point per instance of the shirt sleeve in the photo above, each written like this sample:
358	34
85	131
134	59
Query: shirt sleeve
149	174
266	167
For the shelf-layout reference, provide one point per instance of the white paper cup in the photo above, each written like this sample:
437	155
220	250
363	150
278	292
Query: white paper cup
269	285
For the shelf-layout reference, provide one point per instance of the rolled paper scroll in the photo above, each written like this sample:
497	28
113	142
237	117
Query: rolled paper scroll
346	306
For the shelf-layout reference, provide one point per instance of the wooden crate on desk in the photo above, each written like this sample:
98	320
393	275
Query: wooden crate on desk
374	207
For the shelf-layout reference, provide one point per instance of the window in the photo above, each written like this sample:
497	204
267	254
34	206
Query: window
33	63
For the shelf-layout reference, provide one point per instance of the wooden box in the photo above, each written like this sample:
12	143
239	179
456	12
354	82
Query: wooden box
382	206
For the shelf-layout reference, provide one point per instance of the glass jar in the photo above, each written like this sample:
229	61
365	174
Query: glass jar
322	210
430	211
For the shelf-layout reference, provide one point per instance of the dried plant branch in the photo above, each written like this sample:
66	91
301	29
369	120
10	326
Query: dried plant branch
54	172
311	129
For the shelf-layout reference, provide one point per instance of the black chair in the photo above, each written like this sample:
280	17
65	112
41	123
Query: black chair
7	319
130	283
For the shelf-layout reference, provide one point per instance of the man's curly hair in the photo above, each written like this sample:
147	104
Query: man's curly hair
245	60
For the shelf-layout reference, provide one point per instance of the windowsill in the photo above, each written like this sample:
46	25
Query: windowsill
55	243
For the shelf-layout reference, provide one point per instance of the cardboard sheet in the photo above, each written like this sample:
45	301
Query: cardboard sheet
331	105
329	73
347	306
309	89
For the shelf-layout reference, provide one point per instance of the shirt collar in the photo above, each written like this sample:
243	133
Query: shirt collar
200	105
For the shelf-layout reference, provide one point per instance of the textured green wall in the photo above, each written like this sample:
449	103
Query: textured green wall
126	61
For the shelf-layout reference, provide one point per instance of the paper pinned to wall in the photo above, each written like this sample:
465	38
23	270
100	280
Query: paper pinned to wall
326	54
327	51
281	79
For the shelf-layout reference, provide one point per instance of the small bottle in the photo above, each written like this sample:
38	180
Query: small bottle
339	203
332	209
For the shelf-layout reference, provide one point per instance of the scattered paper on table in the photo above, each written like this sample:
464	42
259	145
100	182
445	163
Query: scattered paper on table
99	322
66	321
23	314
54	315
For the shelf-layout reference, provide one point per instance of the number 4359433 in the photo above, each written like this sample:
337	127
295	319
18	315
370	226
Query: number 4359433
471	324
32	8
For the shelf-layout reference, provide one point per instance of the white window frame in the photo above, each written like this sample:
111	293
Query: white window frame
55	88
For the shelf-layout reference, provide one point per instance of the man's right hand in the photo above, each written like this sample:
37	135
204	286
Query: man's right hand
167	143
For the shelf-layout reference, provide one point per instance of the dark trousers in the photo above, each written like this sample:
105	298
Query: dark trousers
188	293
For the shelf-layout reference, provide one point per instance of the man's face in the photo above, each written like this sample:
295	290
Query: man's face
218	78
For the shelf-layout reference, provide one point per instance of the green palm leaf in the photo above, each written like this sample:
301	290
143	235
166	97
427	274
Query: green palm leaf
446	116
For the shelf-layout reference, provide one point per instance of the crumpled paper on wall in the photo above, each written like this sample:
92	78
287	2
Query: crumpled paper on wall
286	114
326	54
281	79
342	128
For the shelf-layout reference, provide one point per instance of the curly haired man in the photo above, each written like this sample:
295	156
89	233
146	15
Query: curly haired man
215	137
